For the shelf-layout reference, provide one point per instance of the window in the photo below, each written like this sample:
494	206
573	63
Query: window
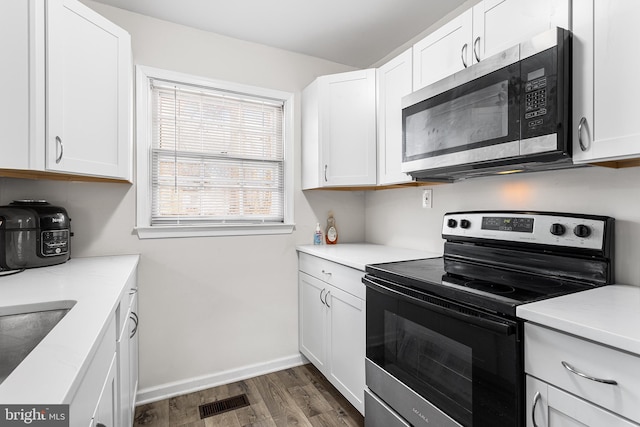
214	158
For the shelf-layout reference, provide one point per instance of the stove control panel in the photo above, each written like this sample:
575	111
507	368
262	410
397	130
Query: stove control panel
567	230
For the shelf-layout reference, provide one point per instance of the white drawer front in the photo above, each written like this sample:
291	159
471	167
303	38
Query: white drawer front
546	349
346	278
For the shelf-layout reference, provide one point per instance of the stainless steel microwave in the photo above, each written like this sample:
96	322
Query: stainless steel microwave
508	113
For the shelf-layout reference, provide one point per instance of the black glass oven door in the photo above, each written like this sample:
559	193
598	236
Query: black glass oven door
480	113
467	364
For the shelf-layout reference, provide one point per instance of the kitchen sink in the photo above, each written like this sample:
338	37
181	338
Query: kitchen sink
23	327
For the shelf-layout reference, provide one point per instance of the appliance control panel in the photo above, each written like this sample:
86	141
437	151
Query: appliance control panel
55	242
566	230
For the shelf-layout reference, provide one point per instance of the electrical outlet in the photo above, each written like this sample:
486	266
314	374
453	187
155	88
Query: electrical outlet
427	198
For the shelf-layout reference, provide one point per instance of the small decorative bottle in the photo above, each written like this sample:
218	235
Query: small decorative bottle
331	236
317	237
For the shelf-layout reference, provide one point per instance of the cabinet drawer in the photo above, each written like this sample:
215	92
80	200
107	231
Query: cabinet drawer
546	349
346	278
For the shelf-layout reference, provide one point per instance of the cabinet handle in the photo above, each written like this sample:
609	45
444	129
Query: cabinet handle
583	122
321	292
61	145
325	173
589	377
463	54
476	43
135	319
133	291
325	299
536	398
328	273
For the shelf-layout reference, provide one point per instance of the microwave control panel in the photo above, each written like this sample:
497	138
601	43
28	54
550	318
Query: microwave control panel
539	94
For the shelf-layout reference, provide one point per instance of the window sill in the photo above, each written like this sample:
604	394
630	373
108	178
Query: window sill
168	232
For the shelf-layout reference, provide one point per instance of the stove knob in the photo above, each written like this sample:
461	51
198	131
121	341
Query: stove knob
452	223
464	223
557	229
582	230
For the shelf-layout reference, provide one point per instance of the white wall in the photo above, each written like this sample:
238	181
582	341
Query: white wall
207	305
396	217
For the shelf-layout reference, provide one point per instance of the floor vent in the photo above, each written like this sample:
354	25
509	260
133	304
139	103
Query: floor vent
224	405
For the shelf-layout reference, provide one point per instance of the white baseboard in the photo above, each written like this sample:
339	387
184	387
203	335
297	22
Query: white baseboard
177	388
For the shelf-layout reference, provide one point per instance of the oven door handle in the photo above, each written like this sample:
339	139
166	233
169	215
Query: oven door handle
502	328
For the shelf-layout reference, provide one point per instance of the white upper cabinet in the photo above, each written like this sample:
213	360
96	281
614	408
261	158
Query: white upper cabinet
394	80
339	130
68	73
605	64
443	52
88	92
500	24
488	28
22	103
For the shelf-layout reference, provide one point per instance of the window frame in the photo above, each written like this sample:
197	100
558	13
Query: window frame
143	228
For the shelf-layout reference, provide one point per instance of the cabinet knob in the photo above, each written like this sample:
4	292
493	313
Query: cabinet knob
589	377
583	123
61	145
463	55
536	398
476	43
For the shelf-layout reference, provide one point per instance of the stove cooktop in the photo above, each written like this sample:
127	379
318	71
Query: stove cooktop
488	288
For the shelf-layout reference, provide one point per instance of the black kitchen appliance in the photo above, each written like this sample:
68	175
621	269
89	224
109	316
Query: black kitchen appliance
33	233
508	112
444	346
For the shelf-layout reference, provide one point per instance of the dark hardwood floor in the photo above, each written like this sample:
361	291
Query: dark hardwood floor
299	396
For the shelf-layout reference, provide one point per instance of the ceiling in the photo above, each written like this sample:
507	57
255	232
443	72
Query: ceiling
352	32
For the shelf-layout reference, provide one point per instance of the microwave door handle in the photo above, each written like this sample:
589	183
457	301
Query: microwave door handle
495	326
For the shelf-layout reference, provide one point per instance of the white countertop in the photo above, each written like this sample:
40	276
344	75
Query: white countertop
358	255
51	373
609	315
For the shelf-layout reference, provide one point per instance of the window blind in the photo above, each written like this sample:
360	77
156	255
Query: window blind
217	156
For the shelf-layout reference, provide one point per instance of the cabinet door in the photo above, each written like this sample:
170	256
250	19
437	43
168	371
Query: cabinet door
312	315
106	410
394	80
606	35
124	374
15	49
347	345
556	408
348	128
134	323
500	24
88	92
128	358
443	52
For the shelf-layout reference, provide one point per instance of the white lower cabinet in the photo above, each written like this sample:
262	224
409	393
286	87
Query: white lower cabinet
128	356
106	395
548	406
332	324
575	382
106	412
